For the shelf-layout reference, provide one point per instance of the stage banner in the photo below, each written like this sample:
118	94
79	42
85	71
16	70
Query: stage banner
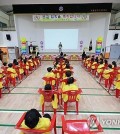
61	17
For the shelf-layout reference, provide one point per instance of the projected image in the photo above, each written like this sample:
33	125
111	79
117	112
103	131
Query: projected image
67	37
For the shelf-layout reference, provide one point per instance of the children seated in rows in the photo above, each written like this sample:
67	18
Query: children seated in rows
33	120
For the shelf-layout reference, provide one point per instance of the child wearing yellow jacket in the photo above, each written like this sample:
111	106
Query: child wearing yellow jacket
87	61
30	61
54	97
68	87
1	79
50	74
106	73
117	85
68	75
33	120
11	70
67	68
118	74
114	64
94	64
100	67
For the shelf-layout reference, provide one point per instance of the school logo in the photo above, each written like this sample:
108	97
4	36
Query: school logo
60	8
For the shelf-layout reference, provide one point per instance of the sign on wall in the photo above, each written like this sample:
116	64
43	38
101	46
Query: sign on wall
61	17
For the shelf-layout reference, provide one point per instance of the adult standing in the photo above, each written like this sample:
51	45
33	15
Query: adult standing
60	47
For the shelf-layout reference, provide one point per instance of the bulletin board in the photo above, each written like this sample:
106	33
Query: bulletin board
114	51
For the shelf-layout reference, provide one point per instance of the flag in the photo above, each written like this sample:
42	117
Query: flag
90	46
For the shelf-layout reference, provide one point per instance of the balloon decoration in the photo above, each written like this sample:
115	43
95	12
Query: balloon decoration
99	45
23	45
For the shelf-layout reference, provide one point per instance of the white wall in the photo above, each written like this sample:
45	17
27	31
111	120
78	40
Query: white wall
110	38
92	29
6	43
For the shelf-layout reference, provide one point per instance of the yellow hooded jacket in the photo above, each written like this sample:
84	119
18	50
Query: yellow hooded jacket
43	124
69	88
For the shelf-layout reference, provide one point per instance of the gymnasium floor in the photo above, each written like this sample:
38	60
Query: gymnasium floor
94	100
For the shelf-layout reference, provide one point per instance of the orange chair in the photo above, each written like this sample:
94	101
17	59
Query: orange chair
0	93
4	69
94	71
72	95
25	70
81	126
34	131
117	94
57	72
108	82
9	79
101	73
50	80
47	97
117	90
17	69
30	67
89	68
3	80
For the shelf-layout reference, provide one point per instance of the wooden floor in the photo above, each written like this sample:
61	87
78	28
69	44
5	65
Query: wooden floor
94	100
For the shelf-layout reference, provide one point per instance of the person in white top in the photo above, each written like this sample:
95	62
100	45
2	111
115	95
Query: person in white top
60	47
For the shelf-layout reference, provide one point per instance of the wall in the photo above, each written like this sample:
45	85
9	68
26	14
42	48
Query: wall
6	43
110	38
92	29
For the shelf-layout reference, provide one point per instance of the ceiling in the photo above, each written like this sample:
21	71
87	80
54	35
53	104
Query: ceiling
116	7
8	8
10	2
